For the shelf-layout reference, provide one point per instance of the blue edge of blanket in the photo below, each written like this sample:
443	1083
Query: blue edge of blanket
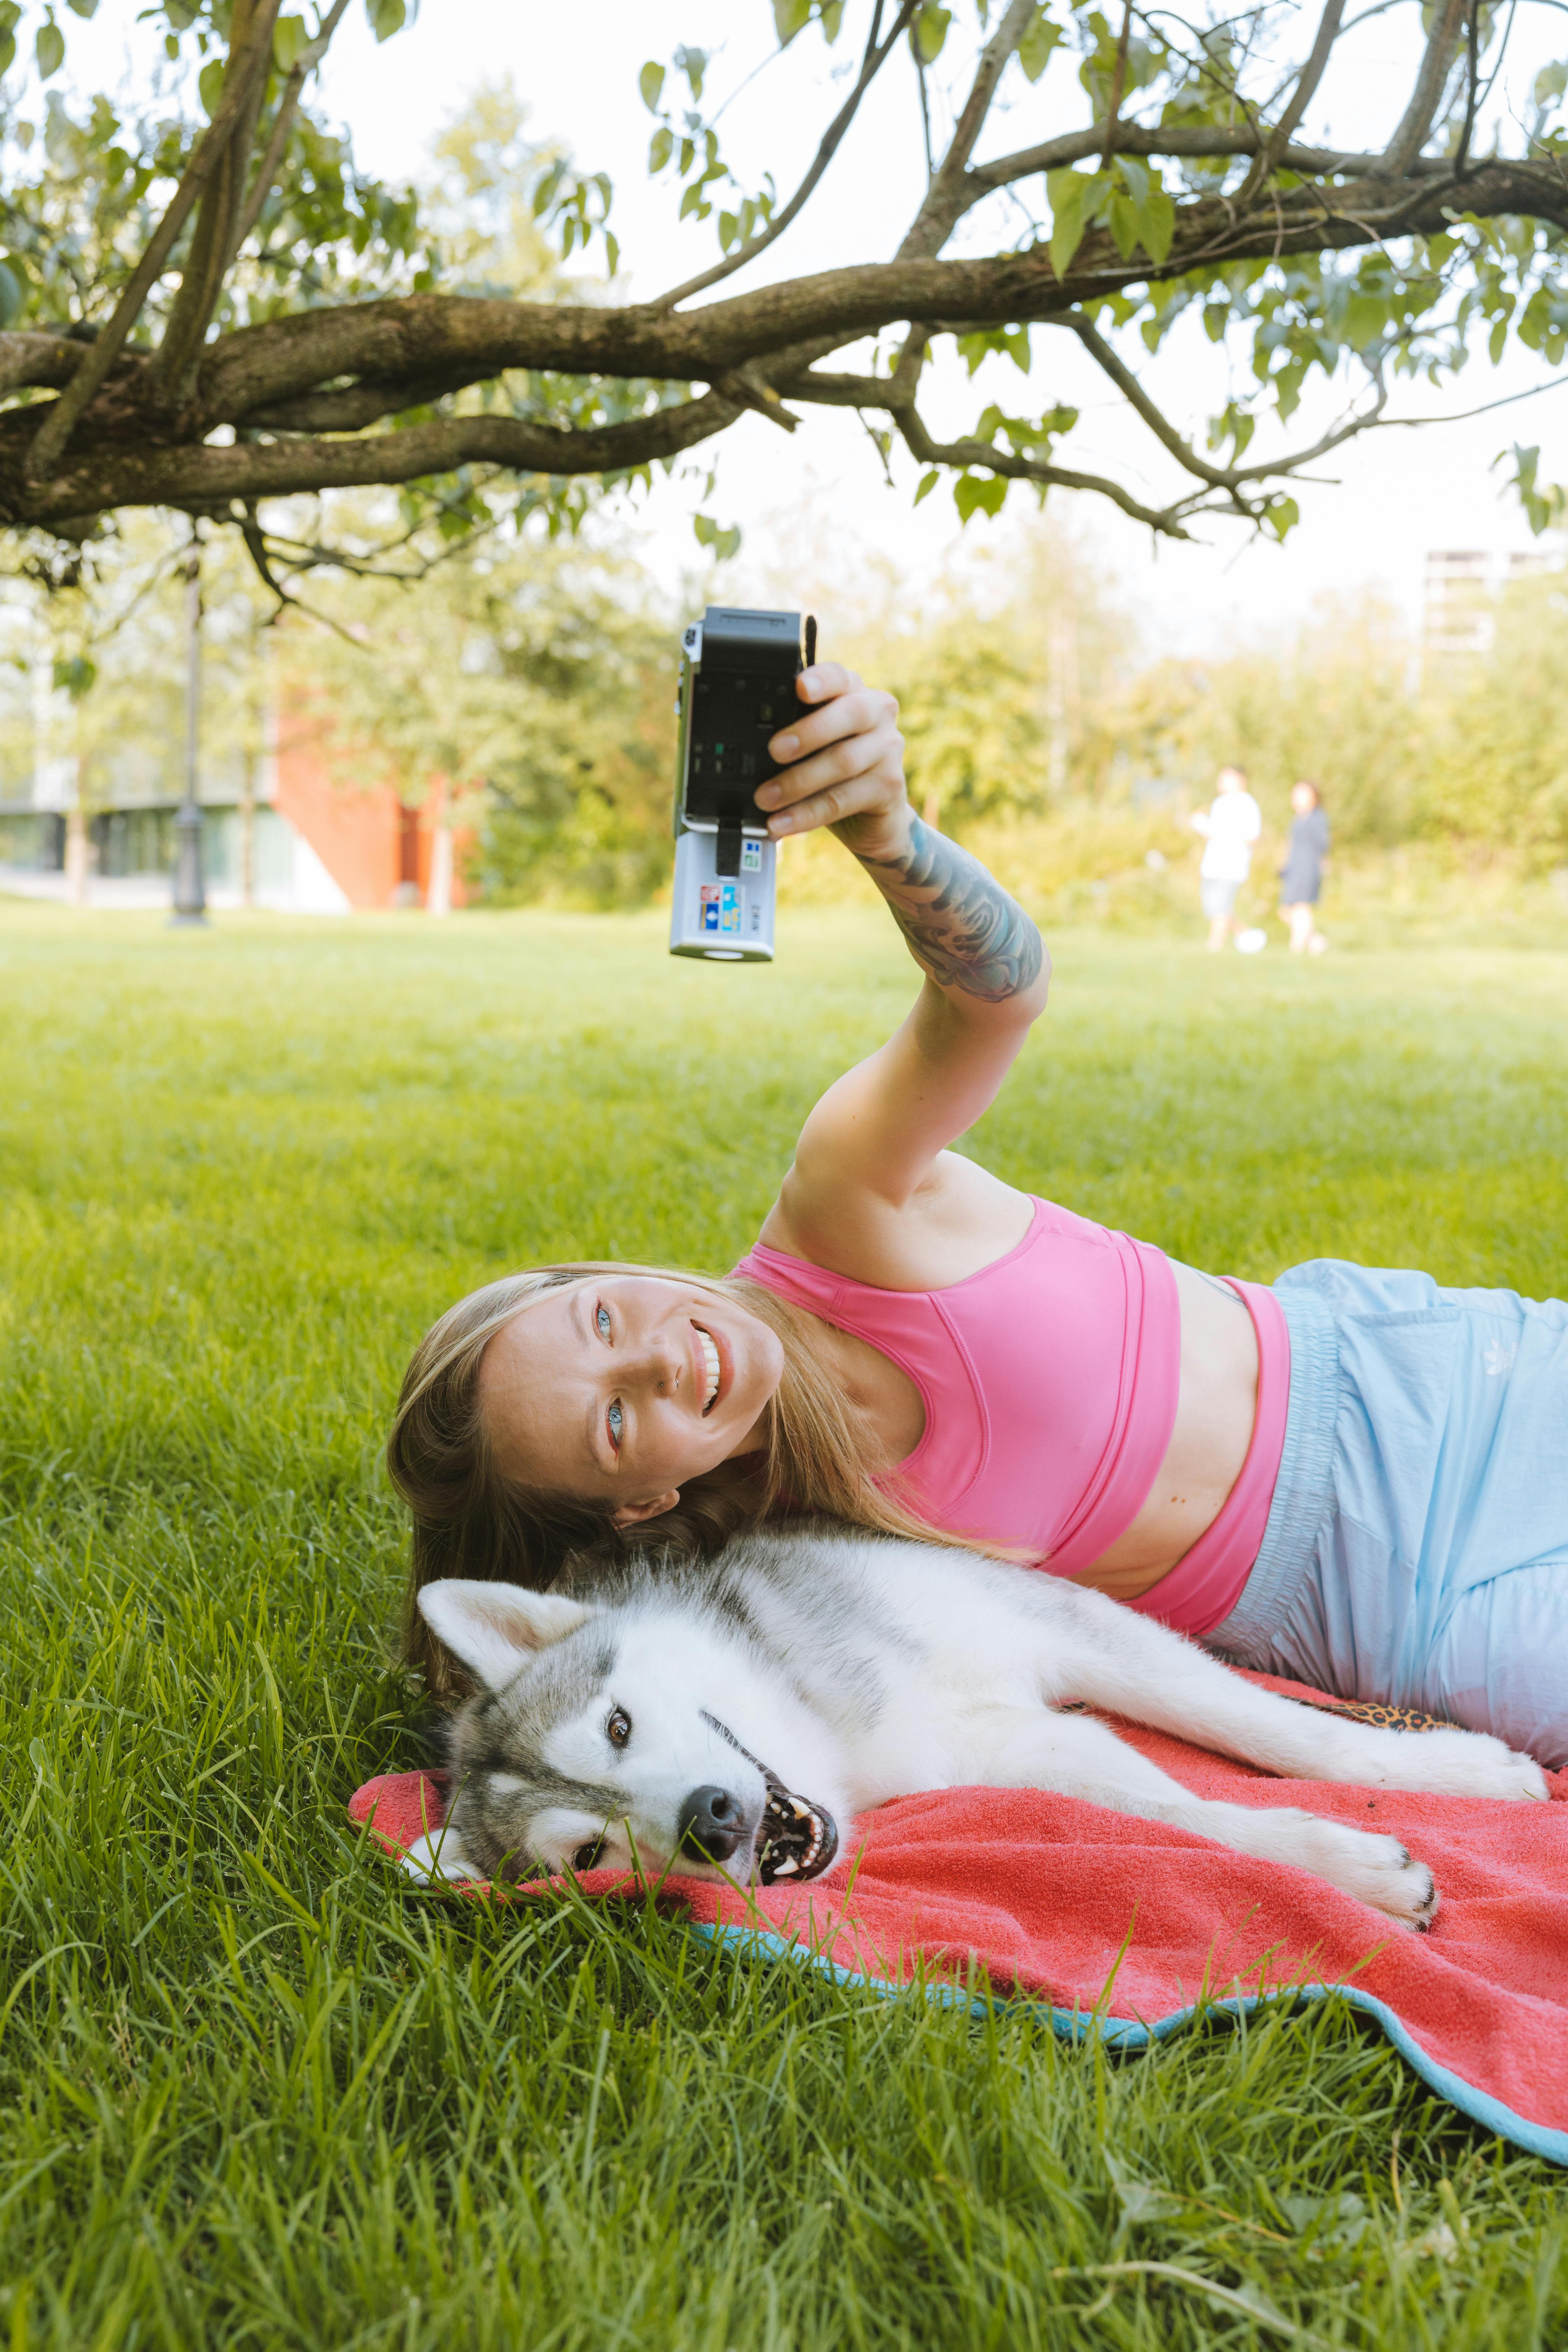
1132	2033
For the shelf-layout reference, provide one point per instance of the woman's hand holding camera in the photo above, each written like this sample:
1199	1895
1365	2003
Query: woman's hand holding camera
846	766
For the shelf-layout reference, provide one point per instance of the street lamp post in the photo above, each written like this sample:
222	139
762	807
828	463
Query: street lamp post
190	896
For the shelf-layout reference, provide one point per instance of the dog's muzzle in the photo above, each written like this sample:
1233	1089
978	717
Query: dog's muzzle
798	1839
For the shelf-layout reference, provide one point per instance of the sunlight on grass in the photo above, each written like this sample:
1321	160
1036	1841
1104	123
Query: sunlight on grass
257	2089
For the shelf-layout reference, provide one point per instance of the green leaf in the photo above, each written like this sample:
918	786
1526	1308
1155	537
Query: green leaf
1282	515
830	17
723	542
979	493
1041	38
83	7
660	147
209	85
12	293
1154	213
928	484
1015	341
612	251
789	18
650	83
74	676
928	31
289	37
386	17
1365	320
8	52
1068	193
1121	220
729	231
49	50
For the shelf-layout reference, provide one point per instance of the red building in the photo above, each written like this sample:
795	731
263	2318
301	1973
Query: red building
379	852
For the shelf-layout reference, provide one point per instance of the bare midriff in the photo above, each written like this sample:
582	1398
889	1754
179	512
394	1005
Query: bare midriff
1215	1409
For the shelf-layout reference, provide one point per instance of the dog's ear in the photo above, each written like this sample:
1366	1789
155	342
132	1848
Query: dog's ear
495	1628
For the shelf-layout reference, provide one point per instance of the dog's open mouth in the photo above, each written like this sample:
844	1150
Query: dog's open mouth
799	1840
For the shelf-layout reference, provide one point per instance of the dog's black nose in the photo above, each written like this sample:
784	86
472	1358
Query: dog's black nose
713	1823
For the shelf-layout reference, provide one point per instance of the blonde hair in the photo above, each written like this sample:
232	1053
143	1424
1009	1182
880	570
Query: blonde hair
469	1520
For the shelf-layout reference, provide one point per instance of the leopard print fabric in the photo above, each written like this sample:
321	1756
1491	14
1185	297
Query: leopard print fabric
1387	1718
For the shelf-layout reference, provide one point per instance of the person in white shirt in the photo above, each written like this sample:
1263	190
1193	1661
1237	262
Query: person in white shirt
1229	828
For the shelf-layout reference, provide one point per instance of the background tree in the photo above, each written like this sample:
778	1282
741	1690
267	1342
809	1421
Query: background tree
522	690
253	319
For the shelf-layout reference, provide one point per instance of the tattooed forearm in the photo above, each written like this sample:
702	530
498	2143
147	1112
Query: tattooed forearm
960	924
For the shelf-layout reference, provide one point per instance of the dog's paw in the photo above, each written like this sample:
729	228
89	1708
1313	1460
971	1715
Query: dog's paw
1462	1764
432	1860
1376	1870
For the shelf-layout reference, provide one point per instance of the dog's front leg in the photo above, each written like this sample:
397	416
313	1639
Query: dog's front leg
1075	1757
1138	1668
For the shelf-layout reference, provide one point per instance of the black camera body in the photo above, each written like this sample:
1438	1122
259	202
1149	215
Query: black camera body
737	690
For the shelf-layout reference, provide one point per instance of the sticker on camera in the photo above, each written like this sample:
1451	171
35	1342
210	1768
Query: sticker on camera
751	856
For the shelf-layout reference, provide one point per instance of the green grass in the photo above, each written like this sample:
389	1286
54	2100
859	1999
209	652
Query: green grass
255	2088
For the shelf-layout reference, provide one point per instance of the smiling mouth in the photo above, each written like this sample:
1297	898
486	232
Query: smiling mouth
713	1366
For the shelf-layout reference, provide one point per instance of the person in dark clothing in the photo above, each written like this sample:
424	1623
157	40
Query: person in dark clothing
1302	875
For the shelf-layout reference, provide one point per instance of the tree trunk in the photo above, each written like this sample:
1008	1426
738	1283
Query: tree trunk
76	852
438	897
247	830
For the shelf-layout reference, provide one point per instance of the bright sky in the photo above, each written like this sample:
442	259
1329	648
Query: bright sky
1385	500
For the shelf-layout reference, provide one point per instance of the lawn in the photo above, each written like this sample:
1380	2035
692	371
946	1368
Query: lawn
255	2088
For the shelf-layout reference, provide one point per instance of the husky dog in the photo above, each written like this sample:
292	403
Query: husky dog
732	1717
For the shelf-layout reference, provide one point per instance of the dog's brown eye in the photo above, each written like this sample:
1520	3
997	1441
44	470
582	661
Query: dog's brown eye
587	1857
618	1729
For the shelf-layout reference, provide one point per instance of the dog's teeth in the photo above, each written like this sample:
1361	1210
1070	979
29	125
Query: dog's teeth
786	1868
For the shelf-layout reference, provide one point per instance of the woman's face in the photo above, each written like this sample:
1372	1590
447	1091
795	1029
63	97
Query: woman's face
620	1387
1302	798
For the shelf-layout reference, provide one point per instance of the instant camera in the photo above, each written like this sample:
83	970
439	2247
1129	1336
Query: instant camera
738	671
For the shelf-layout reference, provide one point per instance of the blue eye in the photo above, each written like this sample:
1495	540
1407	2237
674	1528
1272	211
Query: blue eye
615	1421
602	1322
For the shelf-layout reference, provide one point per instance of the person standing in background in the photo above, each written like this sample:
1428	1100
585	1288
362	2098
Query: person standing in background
1229	827
1302	875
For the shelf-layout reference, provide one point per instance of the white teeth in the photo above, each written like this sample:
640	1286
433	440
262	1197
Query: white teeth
710	1365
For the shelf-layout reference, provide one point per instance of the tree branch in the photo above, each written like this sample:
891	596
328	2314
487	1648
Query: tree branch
208	255
943	204
1472	93
413	338
30	358
920	446
206	476
1176	140
832	138
1218	478
1416	121
1118	87
271	162
1302	96
60	419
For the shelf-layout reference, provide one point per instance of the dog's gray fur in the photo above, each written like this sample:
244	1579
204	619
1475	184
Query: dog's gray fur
856	1668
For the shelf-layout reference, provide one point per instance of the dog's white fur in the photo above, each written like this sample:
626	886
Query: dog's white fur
859	1669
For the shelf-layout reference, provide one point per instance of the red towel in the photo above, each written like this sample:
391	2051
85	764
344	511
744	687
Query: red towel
1045	1892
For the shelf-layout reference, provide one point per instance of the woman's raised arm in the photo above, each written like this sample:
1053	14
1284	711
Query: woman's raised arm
873	1141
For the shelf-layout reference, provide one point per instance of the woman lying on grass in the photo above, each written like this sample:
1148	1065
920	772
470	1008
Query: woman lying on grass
1355	1478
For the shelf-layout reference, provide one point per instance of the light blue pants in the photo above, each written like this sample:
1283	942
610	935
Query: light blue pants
1416	1551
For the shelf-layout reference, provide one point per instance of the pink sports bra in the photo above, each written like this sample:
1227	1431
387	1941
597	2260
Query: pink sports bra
1050	1380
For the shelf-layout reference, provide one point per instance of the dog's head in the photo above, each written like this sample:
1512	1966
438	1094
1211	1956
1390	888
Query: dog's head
588	1749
